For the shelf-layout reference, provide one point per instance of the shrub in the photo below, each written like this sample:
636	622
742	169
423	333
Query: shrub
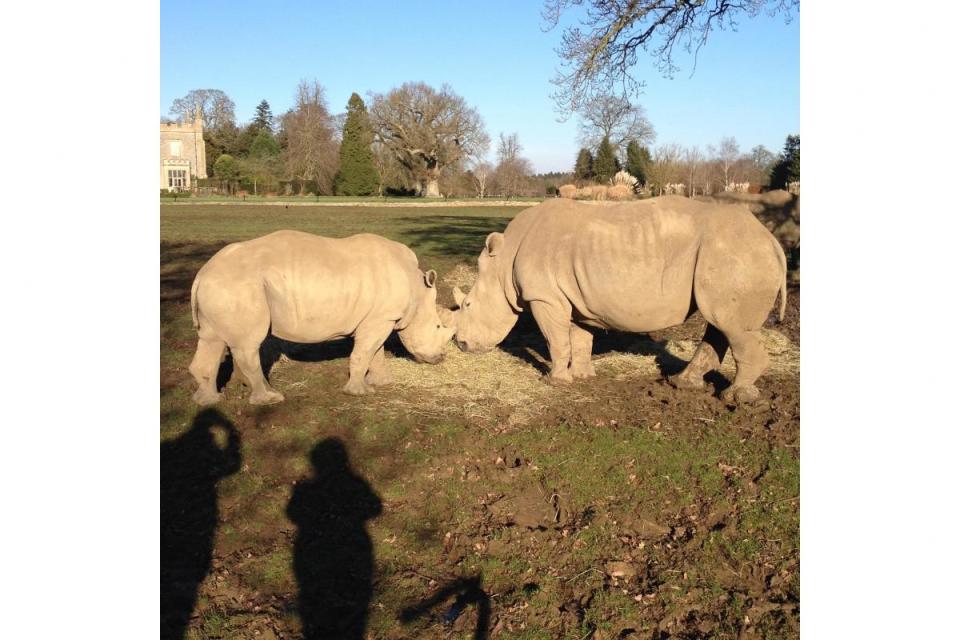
568	191
620	192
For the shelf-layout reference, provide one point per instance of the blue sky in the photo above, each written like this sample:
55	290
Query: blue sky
493	53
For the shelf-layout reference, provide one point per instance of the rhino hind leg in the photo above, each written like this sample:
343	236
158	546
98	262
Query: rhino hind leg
248	361
555	324
581	348
707	358
751	360
204	369
378	374
367	344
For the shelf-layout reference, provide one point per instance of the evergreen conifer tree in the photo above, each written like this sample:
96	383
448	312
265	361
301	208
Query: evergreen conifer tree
357	175
264	118
605	164
638	161
787	169
583	169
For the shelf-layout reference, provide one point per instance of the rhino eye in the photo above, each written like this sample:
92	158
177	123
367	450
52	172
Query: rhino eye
438	326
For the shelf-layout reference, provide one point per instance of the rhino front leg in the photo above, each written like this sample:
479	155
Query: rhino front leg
554	322
367	342
378	374
581	348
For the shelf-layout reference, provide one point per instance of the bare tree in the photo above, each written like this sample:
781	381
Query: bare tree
726	155
427	130
481	172
309	129
607	116
216	108
665	167
597	53
512	169
693	168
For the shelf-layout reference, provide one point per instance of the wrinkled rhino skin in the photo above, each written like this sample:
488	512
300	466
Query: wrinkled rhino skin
306	288
638	266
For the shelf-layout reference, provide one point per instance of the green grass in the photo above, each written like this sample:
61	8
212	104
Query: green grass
722	493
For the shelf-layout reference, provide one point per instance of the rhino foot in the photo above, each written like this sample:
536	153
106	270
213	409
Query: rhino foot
268	396
740	395
355	388
681	381
559	377
583	372
206	398
378	379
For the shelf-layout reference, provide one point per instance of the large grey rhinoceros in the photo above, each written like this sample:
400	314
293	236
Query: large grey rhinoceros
637	266
307	288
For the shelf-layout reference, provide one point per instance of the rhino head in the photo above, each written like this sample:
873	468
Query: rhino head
421	330
486	314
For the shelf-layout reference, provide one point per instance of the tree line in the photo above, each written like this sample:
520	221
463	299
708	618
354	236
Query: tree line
690	170
418	140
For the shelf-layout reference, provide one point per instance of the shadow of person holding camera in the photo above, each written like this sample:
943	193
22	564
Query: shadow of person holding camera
190	468
333	553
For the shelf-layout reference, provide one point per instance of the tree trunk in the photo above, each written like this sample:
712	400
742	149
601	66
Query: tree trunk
433	188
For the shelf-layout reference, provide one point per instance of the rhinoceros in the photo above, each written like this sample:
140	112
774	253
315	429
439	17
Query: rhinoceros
306	288
637	266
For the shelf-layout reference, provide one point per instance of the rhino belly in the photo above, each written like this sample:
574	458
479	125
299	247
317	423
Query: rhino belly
640	297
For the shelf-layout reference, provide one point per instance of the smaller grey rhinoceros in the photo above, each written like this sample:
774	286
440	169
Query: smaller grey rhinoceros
636	266
306	288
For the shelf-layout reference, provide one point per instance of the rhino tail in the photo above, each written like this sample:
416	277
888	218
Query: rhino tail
193	302
783	280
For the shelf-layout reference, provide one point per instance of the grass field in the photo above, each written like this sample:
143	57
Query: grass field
469	499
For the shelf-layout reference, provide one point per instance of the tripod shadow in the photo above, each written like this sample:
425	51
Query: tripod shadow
333	553
468	591
190	468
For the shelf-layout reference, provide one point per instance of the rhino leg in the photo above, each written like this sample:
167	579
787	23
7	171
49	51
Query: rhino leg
751	360
581	348
367	342
555	323
378	374
707	358
204	368
248	361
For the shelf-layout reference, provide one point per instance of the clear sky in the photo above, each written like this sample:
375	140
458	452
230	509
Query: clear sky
494	53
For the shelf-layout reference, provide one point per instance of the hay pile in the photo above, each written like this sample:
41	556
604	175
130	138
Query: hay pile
496	385
484	386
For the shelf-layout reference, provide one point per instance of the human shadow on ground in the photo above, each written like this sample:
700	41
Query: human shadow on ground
468	591
333	553
190	468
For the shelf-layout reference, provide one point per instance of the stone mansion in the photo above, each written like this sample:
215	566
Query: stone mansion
183	155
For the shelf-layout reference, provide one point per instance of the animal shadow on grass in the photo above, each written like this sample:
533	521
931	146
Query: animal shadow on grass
525	341
450	235
468	591
190	467
333	553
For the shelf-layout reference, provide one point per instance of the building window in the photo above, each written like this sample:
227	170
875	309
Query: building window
176	148
176	178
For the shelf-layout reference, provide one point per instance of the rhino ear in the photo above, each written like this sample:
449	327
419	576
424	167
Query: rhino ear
494	243
458	296
430	278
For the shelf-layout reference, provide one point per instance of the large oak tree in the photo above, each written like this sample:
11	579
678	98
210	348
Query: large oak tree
427	131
